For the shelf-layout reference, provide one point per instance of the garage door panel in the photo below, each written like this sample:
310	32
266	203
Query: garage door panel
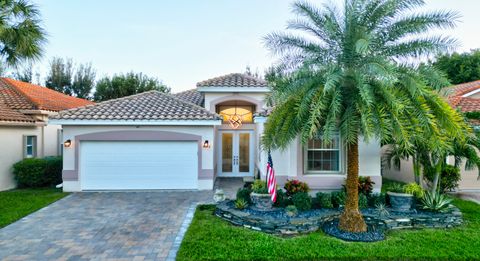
139	165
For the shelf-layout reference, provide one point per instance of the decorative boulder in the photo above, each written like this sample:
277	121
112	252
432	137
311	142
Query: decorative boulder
219	195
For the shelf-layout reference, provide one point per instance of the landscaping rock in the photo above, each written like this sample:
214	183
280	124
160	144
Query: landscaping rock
372	235
277	221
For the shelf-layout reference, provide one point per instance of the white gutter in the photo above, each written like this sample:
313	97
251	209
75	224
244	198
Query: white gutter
136	123
471	93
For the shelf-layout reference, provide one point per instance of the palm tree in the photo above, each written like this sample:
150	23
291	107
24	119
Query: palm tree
21	36
352	71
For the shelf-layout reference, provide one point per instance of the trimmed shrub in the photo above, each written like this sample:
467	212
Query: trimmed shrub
362	201
302	201
30	173
244	194
36	172
295	186
338	198
282	199
322	200
53	170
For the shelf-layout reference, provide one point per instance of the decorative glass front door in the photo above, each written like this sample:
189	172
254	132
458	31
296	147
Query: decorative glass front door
236	153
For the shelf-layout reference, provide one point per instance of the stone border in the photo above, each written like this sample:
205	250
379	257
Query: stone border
172	254
305	223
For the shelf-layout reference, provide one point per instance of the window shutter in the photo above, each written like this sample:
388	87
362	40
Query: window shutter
34	149
24	148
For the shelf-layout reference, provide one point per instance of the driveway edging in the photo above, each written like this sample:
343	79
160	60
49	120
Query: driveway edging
187	220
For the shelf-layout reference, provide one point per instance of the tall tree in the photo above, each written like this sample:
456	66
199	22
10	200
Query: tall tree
21	36
352	74
460	67
59	77
72	79
121	85
83	81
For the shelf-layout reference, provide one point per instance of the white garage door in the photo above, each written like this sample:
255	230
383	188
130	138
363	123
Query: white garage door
116	165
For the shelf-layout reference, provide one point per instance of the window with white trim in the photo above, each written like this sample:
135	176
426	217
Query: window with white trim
323	157
30	146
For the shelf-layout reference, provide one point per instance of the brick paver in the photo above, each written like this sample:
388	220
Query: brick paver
101	226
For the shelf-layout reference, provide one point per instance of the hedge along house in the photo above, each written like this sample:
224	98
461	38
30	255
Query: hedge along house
185	141
466	98
24	132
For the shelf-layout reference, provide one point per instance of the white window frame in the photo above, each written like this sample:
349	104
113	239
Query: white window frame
26	145
341	158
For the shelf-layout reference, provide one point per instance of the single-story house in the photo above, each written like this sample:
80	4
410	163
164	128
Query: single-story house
24	132
466	98
155	140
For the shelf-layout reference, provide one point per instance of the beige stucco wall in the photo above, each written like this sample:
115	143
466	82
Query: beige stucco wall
70	132
11	148
289	163
405	174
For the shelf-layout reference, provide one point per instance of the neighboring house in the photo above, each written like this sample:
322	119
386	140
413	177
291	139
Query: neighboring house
154	140
24	133
466	98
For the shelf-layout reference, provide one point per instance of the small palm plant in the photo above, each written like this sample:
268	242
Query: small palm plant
350	71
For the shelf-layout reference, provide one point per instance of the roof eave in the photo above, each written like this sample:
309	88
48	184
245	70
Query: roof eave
233	89
21	123
135	122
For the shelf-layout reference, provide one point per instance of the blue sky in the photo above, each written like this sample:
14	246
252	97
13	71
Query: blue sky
185	41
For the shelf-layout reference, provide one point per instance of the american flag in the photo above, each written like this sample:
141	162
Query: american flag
271	181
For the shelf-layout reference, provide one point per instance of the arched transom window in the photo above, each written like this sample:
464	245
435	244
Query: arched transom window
236	113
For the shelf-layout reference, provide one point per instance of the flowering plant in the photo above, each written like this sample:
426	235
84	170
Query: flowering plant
294	186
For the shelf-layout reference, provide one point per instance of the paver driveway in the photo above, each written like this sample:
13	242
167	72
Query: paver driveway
110	225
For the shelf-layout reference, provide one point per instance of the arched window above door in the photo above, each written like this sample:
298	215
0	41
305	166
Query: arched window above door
236	113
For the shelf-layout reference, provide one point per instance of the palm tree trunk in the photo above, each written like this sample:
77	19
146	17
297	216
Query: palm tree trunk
351	219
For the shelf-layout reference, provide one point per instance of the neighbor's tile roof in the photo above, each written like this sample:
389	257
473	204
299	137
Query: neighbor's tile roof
147	106
192	96
16	96
465	104
7	114
41	98
233	80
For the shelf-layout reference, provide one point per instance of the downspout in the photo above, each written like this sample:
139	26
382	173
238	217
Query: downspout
43	141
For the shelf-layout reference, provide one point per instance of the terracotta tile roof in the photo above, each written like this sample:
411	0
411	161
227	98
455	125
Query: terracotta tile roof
465	104
43	98
192	96
9	115
16	96
233	80
14	99
147	106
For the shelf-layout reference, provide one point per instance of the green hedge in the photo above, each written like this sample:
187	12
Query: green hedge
37	172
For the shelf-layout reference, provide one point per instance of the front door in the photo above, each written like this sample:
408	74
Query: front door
236	153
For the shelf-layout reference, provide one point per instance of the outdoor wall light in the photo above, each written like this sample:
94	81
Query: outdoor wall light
206	145
67	143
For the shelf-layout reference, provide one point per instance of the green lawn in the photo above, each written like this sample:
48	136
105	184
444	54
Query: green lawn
210	238
17	203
